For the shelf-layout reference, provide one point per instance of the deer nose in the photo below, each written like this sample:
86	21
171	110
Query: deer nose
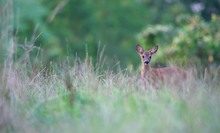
146	62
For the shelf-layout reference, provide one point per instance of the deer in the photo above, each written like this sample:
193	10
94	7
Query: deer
169	75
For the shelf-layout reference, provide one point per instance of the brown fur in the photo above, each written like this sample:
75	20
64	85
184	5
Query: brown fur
169	75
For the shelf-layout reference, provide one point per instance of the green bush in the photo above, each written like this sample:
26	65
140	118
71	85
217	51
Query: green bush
192	41
199	40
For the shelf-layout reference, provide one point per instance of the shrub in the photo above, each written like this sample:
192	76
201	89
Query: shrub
193	40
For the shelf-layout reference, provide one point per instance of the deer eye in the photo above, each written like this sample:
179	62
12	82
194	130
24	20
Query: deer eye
150	57
142	56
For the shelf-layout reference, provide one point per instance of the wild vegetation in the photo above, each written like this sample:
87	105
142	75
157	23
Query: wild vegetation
79	98
71	66
72	27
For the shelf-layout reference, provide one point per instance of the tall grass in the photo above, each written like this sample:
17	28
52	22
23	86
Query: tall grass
80	98
77	96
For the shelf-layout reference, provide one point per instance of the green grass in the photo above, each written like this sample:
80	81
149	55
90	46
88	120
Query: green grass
104	101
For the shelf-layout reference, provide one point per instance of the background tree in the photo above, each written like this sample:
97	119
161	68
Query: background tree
70	27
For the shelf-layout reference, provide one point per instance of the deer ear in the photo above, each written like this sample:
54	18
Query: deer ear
154	49
139	49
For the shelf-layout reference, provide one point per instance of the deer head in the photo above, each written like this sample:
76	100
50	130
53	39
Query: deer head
146	55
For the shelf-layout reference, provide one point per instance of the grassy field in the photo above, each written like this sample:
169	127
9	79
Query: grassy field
80	99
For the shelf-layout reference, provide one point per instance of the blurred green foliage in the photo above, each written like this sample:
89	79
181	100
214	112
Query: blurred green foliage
70	27
192	41
199	40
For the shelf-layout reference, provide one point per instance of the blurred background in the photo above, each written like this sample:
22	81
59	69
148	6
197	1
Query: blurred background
187	31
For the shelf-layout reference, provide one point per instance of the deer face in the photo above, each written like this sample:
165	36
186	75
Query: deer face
146	55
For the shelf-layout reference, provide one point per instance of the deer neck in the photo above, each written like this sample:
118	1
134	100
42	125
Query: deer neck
145	69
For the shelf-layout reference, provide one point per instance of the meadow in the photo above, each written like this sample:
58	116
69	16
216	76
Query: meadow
54	76
81	97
